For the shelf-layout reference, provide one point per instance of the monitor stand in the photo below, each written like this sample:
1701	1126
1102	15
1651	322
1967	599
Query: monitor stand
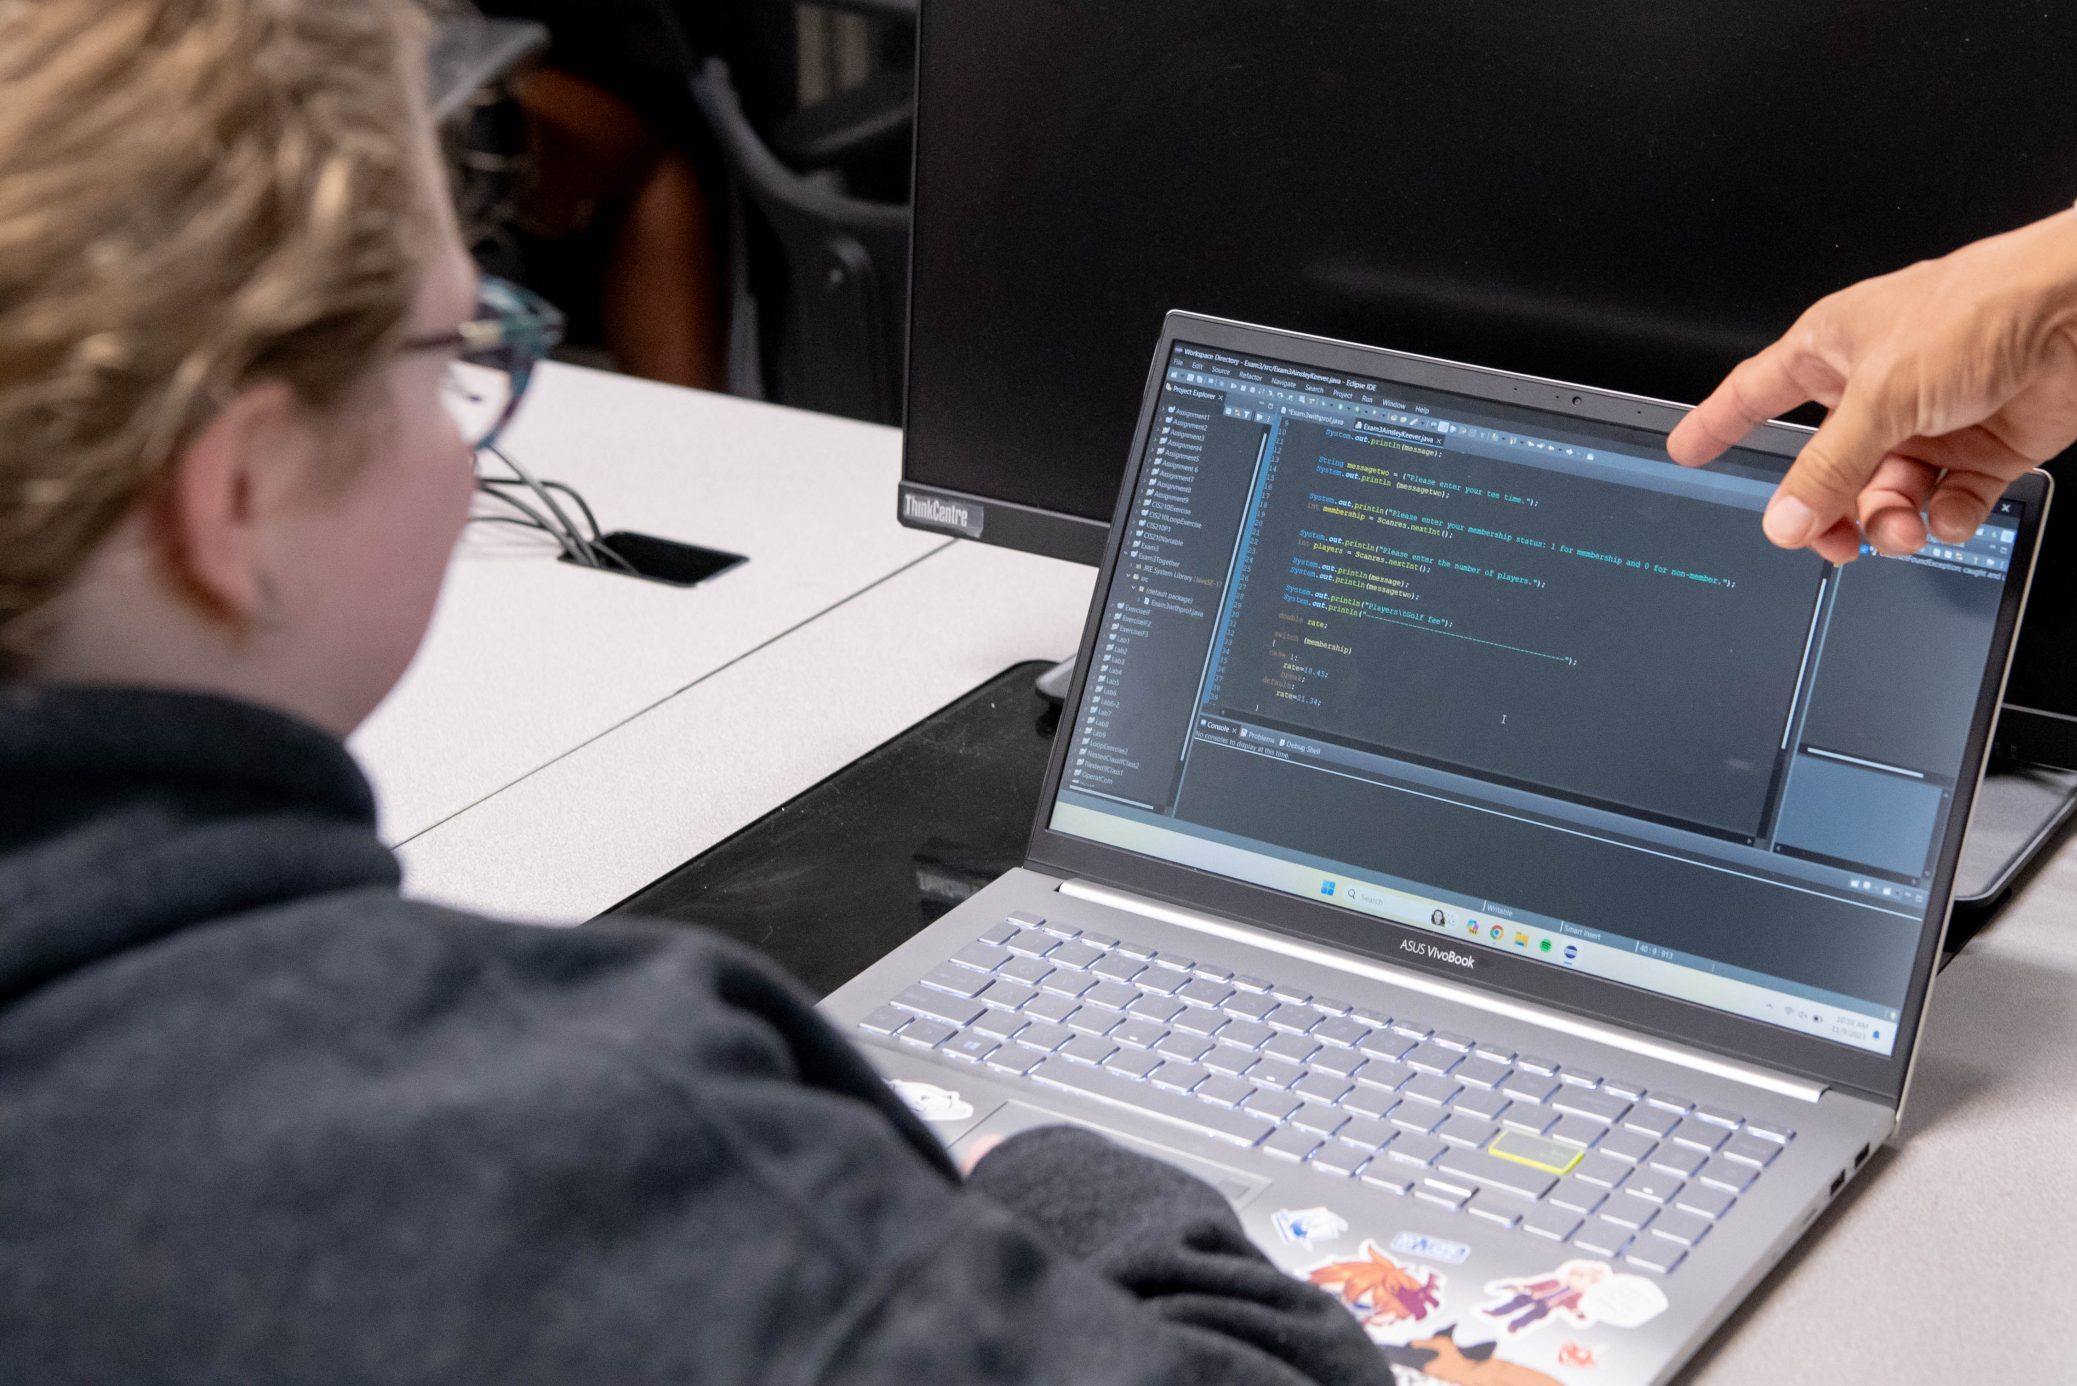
2021	812
1053	684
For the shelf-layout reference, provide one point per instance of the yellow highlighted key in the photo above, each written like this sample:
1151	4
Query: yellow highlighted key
1534	1151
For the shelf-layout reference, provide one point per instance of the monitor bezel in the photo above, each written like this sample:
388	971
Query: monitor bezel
1880	1077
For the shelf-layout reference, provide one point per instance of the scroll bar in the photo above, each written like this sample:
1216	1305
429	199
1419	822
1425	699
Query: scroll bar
1803	669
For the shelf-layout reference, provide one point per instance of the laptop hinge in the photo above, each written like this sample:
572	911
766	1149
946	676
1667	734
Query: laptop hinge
1802	1089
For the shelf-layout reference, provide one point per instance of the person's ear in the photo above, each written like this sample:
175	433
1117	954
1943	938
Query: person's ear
224	490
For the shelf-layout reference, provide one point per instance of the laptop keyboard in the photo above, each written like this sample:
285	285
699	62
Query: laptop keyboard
1515	1140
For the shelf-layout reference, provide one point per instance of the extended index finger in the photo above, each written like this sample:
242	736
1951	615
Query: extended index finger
1759	388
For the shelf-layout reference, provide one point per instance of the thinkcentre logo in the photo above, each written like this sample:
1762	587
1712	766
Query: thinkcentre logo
937	512
1422	948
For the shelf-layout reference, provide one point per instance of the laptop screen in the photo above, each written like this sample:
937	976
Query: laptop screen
1512	677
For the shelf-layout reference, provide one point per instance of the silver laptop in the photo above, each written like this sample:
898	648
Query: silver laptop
1475	850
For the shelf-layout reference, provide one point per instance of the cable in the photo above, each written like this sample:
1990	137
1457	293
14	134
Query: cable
591	521
592	552
534	519
576	536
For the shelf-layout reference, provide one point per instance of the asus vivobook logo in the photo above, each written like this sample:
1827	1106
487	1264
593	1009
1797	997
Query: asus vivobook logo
1421	948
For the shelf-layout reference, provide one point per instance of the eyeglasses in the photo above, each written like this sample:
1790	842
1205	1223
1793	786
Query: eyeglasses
495	354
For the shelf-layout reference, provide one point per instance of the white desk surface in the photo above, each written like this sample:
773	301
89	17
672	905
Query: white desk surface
529	658
1951	1259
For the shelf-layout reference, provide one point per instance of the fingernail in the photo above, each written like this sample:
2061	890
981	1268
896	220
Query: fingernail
1789	522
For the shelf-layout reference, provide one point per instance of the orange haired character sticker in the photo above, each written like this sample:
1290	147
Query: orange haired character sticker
1378	1289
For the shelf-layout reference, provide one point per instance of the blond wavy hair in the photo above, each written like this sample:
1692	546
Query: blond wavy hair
195	195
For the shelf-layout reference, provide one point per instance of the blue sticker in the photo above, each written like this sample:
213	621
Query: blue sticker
1430	1248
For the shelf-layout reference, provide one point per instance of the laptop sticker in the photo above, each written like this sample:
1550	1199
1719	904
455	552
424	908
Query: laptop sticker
1577	1354
1438	1359
1431	1248
1378	1290
1579	1293
931	1102
1308	1227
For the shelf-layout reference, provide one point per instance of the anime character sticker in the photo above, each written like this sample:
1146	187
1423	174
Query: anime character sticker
1308	1227
931	1102
1438	1358
1378	1290
1579	1293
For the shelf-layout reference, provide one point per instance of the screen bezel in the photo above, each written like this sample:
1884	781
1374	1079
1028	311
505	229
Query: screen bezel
1882	1077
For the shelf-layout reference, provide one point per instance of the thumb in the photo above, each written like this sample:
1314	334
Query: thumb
1827	477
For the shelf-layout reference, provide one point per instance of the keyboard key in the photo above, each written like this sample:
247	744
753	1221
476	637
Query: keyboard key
1294	1019
1656	1185
1029	971
1026	919
1170	958
1032	943
1336	1158
1341	1030
1671	1102
1751	1150
1476	1072
1656	1254
1705	1201
1007	994
1100	940
1271	1104
1597	1237
1132	949
1720	1116
1449	1039
1295	1048
1388	1177
1094	1020
1419	1117
1212	972
1250	983
1579	1078
1369	1102
997	933
1771	1131
1088	1049
1444	1197
1225	1090
1225	1124
1459	1128
1601	1106
1441	1176
1497	1053
1322	1087
1532	1118
1725	1174
1001	1024
984	956
1076	954
1699	1134
1287	991
1575	1196
1330	1005
1543	1067
1554	1223
1044	1034
1495	1208
1229	1059
939	1006
1603	1170
884	1020
1577	1130
1652	1121
1050	1008
1342	1063
1682	1160
1487	1106
1427	1087
1068	981
970	1046
1116	995
1628	1145
1275	1073
1367	1132
1205	993
1529	1087
1117	967
1411	1028
929	1034
1623	1088
1140	1034
1291	1143
1249	1006
1628	1210
1320	1118
1534	1152
1177	1076
1019	1059
1433	1058
1133	1063
1504	1176
1386	1044
1686	1228
1188	1048
1251	1034
1160	1009
1412	1148
1383	1073
1162	978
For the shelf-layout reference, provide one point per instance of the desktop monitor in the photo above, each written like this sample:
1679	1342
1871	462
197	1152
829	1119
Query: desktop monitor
1622	195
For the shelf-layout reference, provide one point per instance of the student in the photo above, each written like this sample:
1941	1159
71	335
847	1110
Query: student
1946	381
261	1120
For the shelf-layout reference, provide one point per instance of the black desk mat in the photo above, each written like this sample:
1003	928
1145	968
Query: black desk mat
833	880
